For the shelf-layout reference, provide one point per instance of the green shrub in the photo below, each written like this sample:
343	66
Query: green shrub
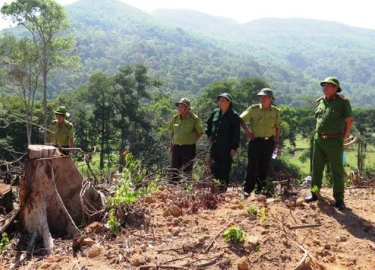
4	243
234	234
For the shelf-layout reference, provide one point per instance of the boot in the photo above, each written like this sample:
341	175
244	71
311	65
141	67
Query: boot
311	198
340	205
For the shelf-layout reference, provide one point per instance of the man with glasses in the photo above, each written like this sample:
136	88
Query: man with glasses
223	131
264	133
333	123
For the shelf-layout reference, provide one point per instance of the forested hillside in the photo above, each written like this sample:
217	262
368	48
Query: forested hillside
189	50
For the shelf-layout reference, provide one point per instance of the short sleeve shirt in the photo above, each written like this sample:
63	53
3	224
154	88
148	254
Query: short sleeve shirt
185	129
331	115
63	134
263	122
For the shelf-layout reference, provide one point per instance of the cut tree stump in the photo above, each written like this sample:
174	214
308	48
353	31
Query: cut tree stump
51	201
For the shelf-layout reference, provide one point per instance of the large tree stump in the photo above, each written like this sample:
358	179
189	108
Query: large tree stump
51	198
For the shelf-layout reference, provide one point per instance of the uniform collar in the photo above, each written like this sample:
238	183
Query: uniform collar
227	112
62	123
187	116
335	96
261	107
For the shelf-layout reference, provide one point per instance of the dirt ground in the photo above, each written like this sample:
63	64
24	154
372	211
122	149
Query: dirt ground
173	238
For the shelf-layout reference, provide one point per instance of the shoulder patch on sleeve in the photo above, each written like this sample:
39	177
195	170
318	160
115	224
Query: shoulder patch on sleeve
276	108
68	124
54	122
195	116
255	106
319	99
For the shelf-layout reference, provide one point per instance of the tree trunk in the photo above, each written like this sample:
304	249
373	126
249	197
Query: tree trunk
102	146
45	108
54	198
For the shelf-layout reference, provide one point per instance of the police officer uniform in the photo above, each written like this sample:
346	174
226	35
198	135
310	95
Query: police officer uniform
224	131
185	133
263	123
331	115
62	134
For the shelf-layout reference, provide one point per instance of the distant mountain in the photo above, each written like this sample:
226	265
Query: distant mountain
312	48
196	21
189	50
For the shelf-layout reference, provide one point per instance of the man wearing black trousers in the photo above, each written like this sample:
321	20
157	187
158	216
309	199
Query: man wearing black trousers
264	136
186	129
223	131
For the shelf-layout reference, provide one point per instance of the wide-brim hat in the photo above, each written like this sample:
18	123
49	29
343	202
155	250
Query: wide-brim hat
184	101
332	80
61	110
266	92
226	95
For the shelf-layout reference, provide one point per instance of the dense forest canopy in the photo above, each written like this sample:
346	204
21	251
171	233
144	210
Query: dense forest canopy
133	66
189	50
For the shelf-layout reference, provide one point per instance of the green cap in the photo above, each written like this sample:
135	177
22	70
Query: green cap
332	80
265	92
62	111
226	95
184	101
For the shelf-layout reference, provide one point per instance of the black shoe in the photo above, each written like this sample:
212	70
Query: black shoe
340	205
311	198
246	195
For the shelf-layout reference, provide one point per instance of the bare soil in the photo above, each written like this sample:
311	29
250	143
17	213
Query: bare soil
180	235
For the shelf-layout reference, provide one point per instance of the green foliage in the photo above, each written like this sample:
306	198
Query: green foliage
4	242
315	189
132	175
113	224
262	214
234	234
270	187
252	210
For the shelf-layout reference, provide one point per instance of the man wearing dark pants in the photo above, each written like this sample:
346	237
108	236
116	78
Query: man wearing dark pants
264	133
334	120
223	131
186	129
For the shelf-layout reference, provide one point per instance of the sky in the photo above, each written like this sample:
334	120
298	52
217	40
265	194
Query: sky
354	13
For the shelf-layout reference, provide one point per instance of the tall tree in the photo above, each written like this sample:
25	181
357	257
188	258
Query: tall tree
21	74
101	94
46	22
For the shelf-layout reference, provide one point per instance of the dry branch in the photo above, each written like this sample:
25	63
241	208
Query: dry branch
303	226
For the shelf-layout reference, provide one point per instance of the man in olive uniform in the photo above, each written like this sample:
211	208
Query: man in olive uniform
186	129
264	133
333	123
223	131
62	135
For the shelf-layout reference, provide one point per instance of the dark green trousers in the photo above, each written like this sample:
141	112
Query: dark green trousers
329	151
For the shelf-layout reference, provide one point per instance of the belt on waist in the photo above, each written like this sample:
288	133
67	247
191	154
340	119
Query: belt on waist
329	136
264	138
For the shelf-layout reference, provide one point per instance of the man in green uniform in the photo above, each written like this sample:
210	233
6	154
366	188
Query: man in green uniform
223	131
264	133
333	123
186	129
62	135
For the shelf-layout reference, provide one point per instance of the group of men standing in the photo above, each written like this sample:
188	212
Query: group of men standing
333	124
223	132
